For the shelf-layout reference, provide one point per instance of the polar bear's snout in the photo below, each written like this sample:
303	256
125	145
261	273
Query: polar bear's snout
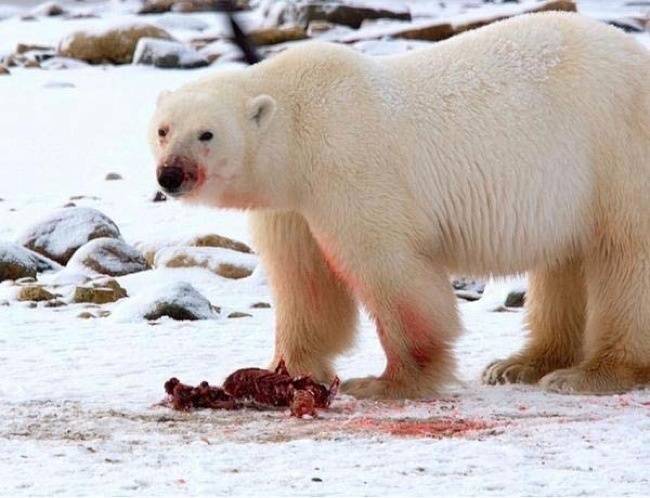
178	175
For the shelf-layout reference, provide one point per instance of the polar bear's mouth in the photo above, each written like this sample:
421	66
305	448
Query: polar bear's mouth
179	176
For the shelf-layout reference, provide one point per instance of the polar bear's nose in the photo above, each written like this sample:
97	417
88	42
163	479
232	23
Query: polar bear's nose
171	178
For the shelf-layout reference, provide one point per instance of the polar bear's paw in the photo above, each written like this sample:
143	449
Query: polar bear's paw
585	380
518	369
377	388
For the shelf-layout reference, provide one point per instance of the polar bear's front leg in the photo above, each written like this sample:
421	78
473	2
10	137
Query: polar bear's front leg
417	322
315	314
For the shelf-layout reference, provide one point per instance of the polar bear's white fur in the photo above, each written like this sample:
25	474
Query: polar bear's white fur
521	146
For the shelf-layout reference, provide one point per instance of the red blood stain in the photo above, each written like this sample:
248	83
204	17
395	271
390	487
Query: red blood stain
437	429
200	176
424	345
329	255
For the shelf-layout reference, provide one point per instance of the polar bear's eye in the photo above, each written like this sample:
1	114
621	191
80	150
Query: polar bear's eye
162	132
206	136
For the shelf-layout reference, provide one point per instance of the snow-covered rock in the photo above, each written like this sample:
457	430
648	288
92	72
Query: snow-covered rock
16	262
48	9
502	293
179	301
100	292
61	233
151	247
347	13
167	54
34	293
160	6
108	256
114	44
224	262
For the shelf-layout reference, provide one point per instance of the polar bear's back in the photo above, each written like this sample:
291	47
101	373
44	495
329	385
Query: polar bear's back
524	130
503	143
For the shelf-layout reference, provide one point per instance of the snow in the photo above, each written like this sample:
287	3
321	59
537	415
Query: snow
185	22
77	394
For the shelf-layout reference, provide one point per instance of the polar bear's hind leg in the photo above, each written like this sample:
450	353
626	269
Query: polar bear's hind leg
556	320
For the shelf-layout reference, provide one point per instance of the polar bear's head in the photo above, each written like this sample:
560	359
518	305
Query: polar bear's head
209	145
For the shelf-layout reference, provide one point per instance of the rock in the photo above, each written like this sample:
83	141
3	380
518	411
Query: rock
239	314
31	64
161	6
630	24
98	295
210	240
86	315
108	256
110	283
159	197
435	31
114	45
260	305
54	303
16	262
167	54
272	36
316	28
112	177
61	233
49	9
224	262
60	84
34	293
23	48
214	240
210	5
468	289
156	6
515	299
4	70
179	301
333	11
25	281
551	5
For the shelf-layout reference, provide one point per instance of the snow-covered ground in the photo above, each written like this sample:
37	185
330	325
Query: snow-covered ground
77	395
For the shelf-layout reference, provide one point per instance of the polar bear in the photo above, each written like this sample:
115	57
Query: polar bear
523	146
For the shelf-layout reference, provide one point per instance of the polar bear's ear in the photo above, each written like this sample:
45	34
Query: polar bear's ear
162	96
261	109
